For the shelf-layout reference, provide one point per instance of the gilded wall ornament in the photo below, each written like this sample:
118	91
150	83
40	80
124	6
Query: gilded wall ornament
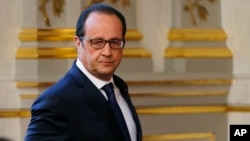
202	11
124	3
57	9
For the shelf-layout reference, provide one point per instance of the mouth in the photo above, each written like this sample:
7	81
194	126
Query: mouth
106	63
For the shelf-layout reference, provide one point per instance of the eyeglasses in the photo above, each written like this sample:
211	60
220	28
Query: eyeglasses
100	43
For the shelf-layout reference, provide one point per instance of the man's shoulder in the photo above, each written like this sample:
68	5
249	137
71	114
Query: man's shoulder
118	78
119	81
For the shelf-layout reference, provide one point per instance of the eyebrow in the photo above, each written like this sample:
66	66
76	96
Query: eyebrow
99	38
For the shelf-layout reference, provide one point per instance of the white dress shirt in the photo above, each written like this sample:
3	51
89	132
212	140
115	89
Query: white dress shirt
122	103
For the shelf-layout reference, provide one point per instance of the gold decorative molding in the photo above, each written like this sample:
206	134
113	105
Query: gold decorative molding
14	113
196	34
29	96
180	136
183	82
136	52
22	84
63	34
67	34
180	94
181	109
156	94
33	34
133	35
159	110
198	52
36	53
239	108
23	113
70	52
33	84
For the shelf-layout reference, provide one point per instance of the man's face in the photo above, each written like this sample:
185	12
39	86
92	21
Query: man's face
101	63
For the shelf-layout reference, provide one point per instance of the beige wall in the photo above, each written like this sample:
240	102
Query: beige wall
10	15
153	19
236	21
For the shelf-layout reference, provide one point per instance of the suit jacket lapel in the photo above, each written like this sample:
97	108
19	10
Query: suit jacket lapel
89	89
95	96
124	91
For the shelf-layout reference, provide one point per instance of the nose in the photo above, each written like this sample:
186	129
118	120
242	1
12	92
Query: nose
107	49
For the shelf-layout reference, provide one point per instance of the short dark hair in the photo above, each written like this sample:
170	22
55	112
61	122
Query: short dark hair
103	8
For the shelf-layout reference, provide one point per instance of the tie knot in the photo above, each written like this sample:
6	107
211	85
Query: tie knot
108	88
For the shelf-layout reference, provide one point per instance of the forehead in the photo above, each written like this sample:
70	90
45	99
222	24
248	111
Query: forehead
96	16
99	21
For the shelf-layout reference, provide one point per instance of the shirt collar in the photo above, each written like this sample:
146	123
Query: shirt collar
97	82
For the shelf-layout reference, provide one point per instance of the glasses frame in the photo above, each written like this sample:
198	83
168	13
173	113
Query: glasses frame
105	41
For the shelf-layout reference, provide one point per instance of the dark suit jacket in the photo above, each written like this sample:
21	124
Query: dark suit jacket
73	109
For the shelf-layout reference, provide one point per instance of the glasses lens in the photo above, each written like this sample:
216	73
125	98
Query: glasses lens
100	43
97	43
116	44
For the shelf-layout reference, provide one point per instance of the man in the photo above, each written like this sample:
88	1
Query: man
78	107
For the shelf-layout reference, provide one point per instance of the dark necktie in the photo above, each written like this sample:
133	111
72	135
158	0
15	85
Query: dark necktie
117	111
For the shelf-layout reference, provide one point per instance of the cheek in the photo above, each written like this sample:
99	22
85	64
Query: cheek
118	57
120	54
90	57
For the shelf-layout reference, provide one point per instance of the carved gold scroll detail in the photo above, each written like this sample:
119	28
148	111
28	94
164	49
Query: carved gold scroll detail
202	11
57	9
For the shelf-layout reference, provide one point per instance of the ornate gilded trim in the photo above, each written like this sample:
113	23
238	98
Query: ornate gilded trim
152	110
33	34
180	94
136	52
14	113
183	82
63	34
57	9
70	52
198	52
33	84
133	35
239	108
36	53
181	109
156	94
180	136
194	6
21	84
29	96
191	109
196	34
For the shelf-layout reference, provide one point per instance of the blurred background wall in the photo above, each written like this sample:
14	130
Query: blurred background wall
186	62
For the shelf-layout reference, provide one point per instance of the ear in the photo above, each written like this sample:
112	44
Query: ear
78	44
